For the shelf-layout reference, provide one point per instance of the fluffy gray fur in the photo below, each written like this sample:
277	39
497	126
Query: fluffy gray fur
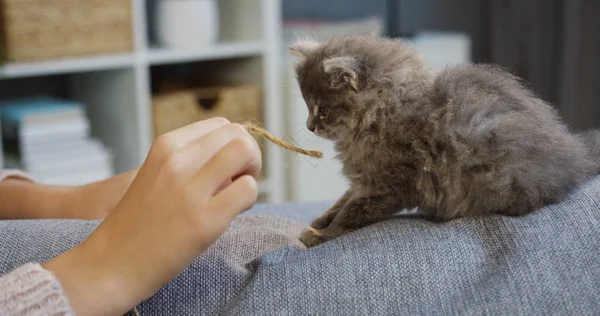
471	141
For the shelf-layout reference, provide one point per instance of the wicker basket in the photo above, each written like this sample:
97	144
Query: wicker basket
237	103
36	30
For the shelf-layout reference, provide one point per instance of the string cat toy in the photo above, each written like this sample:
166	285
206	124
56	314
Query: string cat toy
257	131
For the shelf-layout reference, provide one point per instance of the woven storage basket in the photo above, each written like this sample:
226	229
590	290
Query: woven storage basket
34	30
237	103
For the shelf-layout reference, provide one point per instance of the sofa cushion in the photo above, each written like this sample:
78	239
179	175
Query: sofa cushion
543	263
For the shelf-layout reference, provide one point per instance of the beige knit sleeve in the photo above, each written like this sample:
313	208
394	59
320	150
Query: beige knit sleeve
15	173
32	290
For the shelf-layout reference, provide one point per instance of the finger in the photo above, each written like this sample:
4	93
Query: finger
223	186
187	134
201	151
235	199
239	157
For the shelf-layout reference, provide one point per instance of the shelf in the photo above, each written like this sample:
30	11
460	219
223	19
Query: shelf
65	66
118	88
156	56
161	56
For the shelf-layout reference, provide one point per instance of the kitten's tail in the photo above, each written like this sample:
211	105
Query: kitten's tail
591	139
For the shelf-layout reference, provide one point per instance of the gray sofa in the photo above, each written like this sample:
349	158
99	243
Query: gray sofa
547	263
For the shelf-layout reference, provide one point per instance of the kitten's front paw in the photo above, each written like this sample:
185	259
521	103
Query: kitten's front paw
312	237
321	222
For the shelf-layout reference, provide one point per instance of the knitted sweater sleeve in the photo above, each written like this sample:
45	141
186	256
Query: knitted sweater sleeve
14	173
30	289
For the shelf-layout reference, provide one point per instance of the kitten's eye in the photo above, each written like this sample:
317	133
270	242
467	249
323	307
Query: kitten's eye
324	111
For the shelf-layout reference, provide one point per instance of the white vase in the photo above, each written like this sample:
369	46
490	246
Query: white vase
187	23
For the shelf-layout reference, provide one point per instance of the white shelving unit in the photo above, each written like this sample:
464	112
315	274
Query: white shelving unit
117	88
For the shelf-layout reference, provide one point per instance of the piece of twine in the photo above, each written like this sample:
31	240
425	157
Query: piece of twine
255	130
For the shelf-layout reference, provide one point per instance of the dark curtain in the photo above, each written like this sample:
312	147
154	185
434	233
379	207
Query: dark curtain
555	46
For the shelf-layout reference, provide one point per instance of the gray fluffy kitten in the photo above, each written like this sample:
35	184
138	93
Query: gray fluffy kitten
470	141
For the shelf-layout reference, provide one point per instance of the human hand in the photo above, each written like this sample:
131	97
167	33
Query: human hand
195	181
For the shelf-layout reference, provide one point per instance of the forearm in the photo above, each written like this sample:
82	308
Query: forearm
22	199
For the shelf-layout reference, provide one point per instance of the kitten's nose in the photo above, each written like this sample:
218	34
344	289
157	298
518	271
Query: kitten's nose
310	125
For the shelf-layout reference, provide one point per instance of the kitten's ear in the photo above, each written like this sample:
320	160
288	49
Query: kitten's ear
304	47
343	70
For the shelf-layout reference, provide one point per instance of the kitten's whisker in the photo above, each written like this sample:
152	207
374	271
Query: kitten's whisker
299	130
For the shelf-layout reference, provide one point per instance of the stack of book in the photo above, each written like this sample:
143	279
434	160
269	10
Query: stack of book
50	138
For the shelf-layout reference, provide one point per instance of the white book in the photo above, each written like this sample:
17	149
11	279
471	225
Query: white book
94	152
60	150
36	134
102	160
66	174
75	145
25	119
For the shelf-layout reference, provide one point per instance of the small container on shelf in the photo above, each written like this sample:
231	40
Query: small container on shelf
53	29
186	24
174	108
236	102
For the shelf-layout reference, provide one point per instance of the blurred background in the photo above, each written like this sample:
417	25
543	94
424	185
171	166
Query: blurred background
87	85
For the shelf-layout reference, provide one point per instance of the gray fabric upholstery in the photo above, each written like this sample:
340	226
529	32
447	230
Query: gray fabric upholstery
546	263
